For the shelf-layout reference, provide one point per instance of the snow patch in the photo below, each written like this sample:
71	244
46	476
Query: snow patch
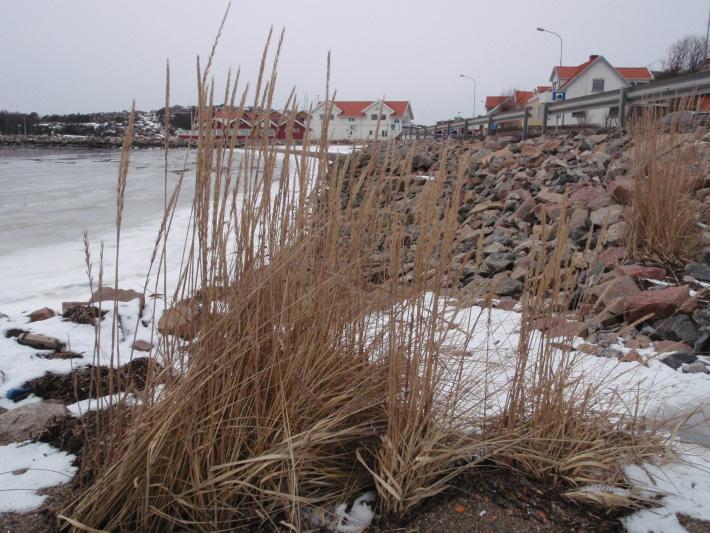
28	467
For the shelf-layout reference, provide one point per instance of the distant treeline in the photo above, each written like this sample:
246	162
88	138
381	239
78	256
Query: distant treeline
181	117
12	122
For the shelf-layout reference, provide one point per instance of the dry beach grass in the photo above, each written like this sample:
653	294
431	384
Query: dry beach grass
309	367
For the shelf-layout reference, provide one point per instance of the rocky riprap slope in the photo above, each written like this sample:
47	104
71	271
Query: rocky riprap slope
512	186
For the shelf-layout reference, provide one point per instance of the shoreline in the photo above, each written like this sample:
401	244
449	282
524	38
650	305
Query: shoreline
78	141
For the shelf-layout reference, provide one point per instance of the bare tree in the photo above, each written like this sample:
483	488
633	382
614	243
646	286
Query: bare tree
684	56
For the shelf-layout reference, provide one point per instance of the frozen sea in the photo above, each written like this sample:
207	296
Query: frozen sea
49	196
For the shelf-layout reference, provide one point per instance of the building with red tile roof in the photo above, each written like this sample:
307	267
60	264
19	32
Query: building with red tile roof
355	120
594	75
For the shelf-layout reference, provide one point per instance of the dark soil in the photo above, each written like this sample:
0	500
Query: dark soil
68	433
81	383
496	500
693	525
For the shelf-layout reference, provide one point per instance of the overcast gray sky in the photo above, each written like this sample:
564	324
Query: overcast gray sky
96	55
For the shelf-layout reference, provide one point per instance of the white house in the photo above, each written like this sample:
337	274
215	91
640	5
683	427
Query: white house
595	75
358	120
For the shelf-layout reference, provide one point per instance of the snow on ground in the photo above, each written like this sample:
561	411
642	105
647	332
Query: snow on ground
82	407
28	467
20	363
479	342
335	148
483	343
686	483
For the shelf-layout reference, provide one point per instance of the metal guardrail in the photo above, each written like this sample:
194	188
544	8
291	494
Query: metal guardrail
680	87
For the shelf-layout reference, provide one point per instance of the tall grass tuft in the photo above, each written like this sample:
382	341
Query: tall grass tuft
661	224
304	364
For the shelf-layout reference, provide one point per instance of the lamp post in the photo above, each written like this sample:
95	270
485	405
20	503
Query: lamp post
558	36
474	91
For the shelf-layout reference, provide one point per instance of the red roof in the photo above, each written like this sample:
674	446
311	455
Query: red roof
522	96
356	108
543	88
635	73
494	101
567	74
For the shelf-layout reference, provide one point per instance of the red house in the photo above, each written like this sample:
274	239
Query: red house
252	124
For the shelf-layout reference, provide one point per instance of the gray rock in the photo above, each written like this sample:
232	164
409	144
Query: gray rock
509	287
676	360
702	316
609	353
493	248
421	162
615	233
497	262
695	368
699	271
609	215
702	345
679	328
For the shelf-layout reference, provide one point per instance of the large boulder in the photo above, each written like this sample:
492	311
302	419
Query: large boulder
655	304
611	294
28	421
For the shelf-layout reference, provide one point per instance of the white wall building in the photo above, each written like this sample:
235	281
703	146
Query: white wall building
595	75
358	120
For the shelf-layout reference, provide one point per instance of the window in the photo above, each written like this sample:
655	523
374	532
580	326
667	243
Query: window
322	116
598	86
351	119
373	116
396	121
370	132
383	133
383	117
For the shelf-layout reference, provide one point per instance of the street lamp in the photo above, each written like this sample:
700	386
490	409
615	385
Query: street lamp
474	91
558	36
